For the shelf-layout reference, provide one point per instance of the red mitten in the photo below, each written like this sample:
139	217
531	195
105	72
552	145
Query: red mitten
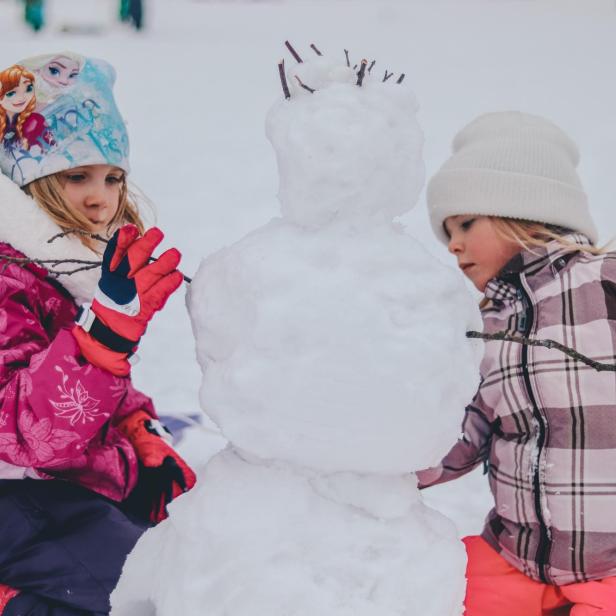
131	289
163	474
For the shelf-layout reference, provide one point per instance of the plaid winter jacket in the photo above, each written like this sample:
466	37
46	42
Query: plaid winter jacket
544	423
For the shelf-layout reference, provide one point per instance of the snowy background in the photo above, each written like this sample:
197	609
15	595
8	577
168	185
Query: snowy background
196	85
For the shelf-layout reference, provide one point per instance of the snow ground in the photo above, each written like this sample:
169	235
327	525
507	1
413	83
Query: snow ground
196	85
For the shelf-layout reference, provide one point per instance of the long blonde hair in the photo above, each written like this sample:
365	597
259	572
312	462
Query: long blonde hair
529	234
48	193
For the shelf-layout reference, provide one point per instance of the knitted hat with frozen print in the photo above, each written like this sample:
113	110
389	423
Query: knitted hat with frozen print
514	165
57	112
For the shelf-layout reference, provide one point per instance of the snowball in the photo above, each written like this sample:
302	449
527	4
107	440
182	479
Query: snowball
345	152
266	539
340	350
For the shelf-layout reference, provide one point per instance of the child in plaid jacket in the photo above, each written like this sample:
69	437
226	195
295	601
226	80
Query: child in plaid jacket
512	210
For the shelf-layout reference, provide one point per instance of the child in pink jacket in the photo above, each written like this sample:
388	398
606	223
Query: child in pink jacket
84	469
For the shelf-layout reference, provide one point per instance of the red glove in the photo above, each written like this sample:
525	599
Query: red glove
130	291
163	474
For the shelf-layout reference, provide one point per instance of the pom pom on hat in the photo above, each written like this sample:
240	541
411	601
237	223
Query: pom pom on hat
513	165
57	112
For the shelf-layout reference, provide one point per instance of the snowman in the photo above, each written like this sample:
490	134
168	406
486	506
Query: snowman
335	362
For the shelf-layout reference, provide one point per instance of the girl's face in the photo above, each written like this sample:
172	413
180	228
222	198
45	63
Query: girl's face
94	191
61	71
480	251
16	100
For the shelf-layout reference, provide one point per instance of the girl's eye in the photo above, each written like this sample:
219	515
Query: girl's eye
11	94
29	87
53	71
75	177
73	75
115	179
467	224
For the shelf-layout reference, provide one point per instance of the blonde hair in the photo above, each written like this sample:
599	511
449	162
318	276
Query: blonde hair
48	193
530	234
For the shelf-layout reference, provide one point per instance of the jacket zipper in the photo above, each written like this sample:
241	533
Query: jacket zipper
543	549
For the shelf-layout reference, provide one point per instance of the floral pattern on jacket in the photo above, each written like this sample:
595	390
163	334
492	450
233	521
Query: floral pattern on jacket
58	412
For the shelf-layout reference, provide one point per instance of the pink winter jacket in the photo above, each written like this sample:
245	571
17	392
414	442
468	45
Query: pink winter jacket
57	412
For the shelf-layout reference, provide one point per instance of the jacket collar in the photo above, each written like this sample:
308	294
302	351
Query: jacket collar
530	262
27	228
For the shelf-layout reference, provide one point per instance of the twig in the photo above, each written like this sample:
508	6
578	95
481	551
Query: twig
346	53
293	52
400	79
371	65
314	48
283	80
354	67
301	83
387	76
548	344
94	236
50	263
362	72
100	238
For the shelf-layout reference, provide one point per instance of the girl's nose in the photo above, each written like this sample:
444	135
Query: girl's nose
95	197
454	246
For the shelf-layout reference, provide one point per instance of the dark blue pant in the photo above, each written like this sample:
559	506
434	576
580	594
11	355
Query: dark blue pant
62	546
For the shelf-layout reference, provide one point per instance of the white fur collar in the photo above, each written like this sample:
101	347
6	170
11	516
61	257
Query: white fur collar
27	228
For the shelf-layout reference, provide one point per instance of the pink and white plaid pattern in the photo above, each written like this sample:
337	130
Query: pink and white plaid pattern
543	423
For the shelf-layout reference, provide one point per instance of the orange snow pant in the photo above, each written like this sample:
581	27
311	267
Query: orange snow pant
495	588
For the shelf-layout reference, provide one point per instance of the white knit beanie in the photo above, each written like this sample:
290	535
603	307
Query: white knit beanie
514	165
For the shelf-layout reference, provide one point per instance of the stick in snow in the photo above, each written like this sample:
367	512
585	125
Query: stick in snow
293	52
314	48
301	83
362	72
400	79
548	344
283	80
371	65
346	53
387	76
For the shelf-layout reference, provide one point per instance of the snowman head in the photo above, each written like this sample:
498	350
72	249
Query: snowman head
348	144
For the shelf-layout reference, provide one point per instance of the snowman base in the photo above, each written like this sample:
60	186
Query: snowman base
269	538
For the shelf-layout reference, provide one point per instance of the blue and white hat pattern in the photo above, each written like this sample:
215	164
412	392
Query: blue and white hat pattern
57	112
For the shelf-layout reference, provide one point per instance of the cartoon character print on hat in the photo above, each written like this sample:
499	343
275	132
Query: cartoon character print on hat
58	112
21	127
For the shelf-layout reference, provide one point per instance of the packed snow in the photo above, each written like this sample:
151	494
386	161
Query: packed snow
196	86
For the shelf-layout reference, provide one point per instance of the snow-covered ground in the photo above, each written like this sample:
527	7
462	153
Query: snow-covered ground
196	85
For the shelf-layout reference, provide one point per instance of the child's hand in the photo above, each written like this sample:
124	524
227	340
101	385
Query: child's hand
163	474
131	289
